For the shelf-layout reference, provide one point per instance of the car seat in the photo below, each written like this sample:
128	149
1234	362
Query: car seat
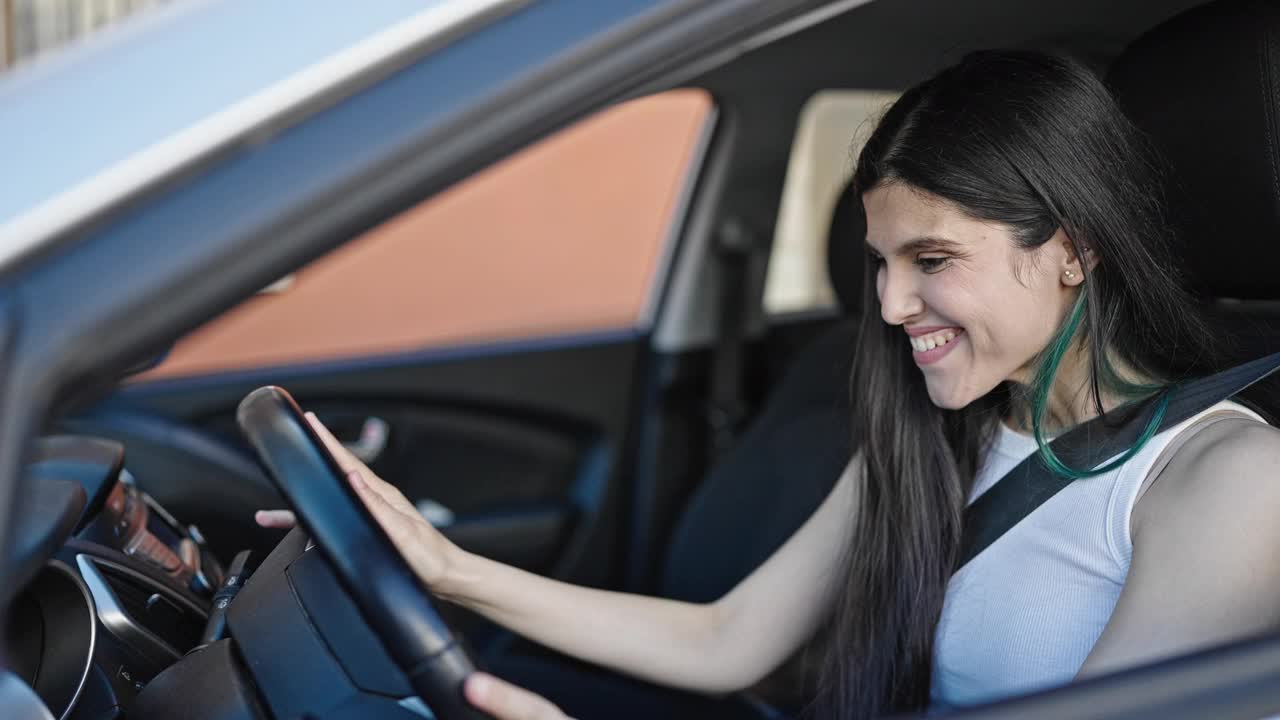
789	457
757	496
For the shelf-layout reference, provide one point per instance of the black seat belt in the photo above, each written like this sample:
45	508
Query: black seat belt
1031	483
736	247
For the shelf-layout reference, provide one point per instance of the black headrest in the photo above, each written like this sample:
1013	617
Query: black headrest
846	250
1206	87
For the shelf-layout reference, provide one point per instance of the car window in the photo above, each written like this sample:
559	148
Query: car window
564	237
829	134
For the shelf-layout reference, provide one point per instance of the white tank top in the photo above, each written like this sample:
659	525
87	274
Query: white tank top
1024	613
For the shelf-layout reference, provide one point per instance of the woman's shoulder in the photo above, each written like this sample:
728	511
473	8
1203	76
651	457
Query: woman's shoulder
1228	468
1204	568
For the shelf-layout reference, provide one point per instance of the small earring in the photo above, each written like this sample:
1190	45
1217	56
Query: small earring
1071	275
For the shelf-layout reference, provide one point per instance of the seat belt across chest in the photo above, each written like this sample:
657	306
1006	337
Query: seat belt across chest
1031	483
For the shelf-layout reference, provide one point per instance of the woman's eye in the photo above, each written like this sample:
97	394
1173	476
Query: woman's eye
932	264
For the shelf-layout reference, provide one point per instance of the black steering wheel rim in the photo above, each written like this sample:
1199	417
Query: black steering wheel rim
389	595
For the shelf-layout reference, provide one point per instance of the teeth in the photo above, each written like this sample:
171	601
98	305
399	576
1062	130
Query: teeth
929	342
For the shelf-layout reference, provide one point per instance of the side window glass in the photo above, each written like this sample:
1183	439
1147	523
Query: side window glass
564	237
832	127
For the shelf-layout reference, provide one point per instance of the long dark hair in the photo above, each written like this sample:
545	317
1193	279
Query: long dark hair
1036	143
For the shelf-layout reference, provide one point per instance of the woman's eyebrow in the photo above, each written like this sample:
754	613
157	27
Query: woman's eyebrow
924	243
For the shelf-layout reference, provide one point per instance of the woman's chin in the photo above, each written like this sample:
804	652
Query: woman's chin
947	396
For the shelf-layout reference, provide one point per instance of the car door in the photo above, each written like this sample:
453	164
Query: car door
481	350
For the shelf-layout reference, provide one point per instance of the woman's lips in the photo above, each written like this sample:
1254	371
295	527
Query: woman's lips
928	357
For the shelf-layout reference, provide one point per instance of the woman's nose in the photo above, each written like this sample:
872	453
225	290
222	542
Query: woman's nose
899	297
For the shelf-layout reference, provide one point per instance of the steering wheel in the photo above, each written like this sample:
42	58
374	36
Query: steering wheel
389	595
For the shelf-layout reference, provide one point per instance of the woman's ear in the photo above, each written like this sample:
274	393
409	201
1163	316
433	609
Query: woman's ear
1071	272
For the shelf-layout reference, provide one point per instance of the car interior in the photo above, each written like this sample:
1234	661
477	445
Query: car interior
669	460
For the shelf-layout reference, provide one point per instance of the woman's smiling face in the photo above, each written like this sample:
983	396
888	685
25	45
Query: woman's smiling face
976	308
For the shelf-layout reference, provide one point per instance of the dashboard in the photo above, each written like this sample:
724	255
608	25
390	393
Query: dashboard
114	589
123	612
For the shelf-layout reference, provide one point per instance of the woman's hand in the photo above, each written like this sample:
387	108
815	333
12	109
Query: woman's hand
429	554
505	701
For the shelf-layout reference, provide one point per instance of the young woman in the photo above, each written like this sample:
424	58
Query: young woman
1020	284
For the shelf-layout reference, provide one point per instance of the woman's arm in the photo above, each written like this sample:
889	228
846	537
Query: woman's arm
1204	569
718	647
